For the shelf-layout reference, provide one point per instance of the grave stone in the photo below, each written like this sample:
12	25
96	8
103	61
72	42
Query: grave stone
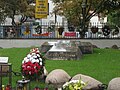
3	60
3	65
114	84
85	47
57	78
45	47
115	47
63	50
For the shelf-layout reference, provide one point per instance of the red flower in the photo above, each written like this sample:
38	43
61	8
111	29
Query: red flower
30	68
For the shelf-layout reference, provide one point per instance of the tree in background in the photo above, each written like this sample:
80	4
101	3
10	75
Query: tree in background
2	12
79	12
10	8
114	18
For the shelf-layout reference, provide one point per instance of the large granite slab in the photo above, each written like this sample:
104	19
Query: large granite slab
63	50
45	47
85	47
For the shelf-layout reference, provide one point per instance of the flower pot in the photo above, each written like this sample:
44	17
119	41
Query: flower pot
106	30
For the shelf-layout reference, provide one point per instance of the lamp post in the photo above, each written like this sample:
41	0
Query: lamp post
83	24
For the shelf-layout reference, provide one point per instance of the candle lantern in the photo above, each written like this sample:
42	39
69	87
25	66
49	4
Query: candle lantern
36	88
23	84
8	87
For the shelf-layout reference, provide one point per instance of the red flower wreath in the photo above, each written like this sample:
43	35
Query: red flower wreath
32	65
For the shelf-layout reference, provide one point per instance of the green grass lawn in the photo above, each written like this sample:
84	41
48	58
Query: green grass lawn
103	64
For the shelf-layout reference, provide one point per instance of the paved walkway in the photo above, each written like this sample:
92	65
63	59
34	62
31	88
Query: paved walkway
10	43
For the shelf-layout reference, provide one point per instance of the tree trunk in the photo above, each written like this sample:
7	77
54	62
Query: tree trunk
13	21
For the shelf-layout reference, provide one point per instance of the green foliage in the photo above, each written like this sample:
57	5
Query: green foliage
114	18
73	10
10	8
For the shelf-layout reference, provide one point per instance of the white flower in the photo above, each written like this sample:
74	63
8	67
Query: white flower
23	61
25	58
38	51
31	58
34	56
40	59
28	56
38	55
37	48
66	84
74	81
35	60
41	63
75	84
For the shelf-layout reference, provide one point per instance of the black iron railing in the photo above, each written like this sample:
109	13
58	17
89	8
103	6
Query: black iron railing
46	30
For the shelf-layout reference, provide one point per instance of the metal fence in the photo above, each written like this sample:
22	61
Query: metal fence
58	30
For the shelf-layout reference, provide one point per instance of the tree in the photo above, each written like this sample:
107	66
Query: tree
2	15
78	13
10	8
114	18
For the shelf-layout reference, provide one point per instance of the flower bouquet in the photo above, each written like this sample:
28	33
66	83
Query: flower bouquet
106	30
74	85
94	29
32	65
